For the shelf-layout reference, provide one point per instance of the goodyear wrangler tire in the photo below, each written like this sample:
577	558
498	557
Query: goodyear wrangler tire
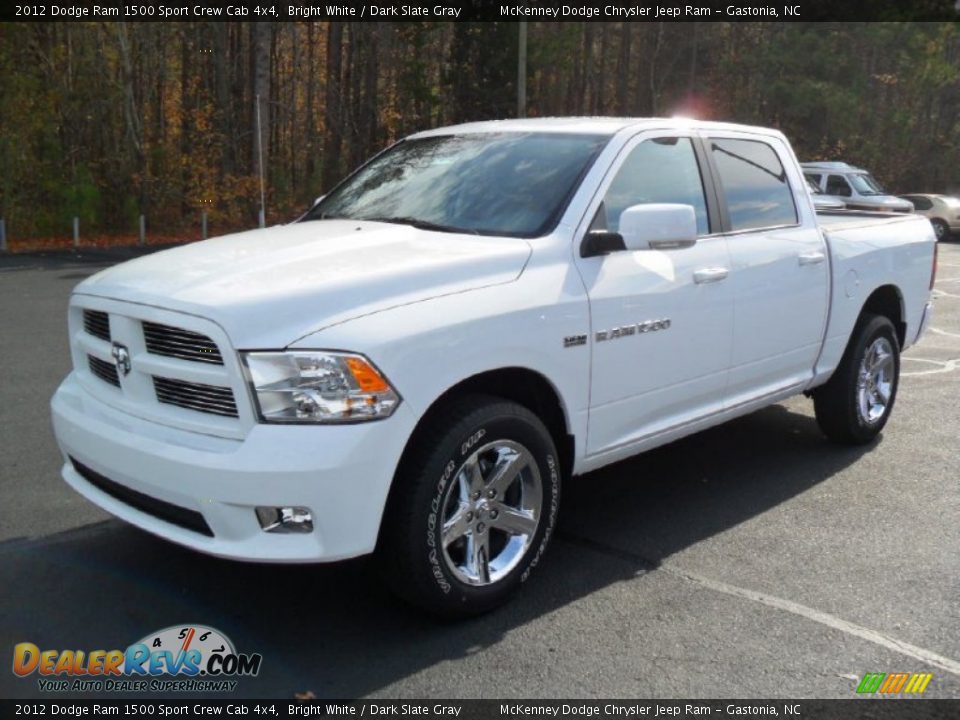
856	403
472	509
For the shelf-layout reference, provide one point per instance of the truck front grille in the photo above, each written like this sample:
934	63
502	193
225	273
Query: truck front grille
97	323
179	370
103	370
173	514
196	396
179	343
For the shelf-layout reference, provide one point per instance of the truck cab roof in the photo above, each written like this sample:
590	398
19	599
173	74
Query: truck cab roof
592	126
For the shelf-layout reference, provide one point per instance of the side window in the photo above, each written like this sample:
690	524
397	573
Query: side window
815	177
921	203
838	185
754	183
662	170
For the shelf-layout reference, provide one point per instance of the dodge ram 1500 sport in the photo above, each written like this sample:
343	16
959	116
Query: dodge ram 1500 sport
413	367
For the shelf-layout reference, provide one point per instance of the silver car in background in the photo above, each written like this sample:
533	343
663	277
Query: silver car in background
857	187
943	212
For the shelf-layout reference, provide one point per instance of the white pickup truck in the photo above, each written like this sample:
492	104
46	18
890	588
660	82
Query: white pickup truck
480	312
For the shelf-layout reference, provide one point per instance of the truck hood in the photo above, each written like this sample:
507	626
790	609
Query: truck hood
268	288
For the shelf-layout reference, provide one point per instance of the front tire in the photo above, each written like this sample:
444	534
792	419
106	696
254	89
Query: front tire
856	403
473	507
940	229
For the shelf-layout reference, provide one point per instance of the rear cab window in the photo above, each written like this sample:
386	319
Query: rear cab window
754	183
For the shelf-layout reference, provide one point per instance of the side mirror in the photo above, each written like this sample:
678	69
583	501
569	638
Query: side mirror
658	226
601	242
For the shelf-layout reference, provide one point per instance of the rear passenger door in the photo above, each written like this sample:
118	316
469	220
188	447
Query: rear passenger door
779	265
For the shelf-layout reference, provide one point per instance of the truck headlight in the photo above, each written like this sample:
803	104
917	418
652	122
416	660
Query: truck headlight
318	387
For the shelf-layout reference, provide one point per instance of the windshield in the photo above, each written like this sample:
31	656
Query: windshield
865	184
515	184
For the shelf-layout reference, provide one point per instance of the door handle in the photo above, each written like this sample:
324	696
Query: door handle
811	258
710	275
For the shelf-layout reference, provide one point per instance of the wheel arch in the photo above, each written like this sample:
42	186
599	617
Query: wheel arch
521	385
528	388
887	300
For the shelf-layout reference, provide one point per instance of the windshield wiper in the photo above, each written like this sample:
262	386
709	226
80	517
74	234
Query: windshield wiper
422	224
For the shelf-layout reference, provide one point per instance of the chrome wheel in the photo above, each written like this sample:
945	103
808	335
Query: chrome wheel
875	381
490	512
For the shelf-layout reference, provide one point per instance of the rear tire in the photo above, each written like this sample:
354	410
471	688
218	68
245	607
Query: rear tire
473	507
856	403
940	229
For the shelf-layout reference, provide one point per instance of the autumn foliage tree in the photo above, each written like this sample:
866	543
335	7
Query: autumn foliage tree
107	121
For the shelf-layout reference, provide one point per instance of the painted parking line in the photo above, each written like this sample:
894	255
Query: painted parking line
820	617
942	366
938	331
823	618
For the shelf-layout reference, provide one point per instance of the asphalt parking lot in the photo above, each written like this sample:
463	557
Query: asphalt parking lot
753	560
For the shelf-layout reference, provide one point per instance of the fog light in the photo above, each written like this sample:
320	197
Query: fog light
285	519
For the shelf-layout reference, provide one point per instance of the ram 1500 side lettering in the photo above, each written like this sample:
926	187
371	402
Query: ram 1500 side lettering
413	367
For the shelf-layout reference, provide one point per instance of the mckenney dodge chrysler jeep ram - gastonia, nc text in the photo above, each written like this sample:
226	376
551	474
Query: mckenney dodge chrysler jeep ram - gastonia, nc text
415	366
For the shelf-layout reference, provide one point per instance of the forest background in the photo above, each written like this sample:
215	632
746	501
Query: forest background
106	122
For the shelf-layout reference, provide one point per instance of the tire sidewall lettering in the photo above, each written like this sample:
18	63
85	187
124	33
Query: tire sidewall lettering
433	553
462	451
552	518
471	441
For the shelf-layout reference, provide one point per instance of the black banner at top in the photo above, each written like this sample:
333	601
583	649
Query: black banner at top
484	10
428	709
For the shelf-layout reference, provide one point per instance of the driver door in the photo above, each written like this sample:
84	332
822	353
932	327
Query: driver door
662	320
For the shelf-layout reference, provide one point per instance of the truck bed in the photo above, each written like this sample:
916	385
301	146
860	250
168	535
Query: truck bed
846	219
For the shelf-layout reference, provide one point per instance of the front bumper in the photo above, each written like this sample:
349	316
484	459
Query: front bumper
342	473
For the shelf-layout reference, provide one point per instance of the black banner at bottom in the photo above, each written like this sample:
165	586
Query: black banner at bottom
854	709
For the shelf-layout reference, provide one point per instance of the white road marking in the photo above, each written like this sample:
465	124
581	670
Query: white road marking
944	366
938	331
943	293
832	621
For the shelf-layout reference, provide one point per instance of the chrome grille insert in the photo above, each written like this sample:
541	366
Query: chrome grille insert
178	343
104	370
97	323
196	396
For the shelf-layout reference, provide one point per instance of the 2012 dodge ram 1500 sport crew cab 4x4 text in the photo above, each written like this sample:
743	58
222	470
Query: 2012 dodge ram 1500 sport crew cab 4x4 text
414	366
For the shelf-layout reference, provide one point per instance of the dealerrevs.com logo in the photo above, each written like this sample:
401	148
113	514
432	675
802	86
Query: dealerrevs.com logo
185	658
